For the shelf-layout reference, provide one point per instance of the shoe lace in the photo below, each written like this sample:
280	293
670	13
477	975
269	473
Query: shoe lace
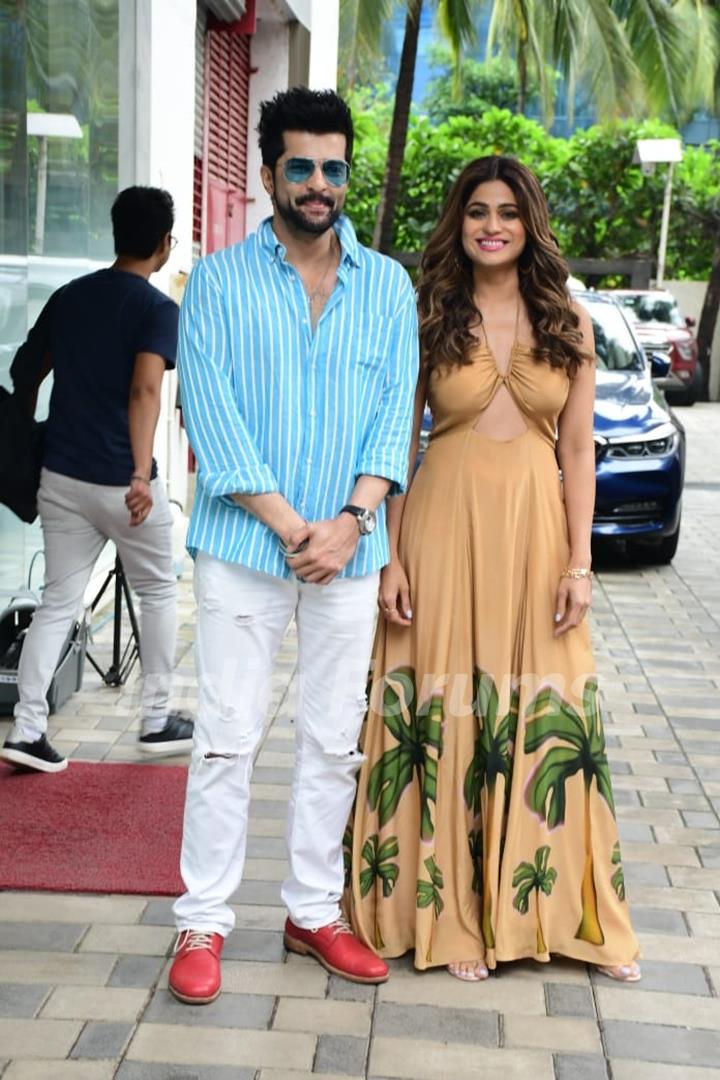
194	939
341	926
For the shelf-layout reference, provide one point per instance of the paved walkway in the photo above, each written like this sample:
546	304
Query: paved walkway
83	978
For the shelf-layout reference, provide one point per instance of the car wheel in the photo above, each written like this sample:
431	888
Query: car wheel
655	553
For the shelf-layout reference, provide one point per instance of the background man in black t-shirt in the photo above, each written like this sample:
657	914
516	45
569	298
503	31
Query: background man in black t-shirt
108	338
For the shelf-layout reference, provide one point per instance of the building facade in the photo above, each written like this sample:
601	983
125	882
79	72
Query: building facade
96	95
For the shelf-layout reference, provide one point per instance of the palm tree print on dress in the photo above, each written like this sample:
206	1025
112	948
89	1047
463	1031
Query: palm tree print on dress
417	734
550	717
378	856
347	843
491	759
475	844
428	892
618	879
538	877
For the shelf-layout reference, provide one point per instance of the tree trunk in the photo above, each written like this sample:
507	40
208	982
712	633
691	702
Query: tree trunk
589	928
383	235
708	322
539	936
522	77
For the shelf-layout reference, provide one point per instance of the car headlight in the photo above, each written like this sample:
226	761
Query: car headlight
657	443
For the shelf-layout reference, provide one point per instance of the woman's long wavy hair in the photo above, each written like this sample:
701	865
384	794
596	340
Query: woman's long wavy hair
445	288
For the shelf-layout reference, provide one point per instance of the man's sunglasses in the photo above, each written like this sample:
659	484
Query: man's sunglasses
297	170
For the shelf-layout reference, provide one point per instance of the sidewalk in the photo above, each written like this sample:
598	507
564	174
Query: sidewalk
83	978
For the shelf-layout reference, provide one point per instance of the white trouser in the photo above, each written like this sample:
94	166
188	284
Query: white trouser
241	620
77	520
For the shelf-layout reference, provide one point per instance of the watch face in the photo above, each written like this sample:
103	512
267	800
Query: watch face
368	521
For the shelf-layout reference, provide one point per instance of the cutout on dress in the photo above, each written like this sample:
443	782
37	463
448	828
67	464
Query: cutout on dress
502	420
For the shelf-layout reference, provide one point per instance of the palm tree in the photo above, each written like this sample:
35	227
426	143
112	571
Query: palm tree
361	25
634	55
538	878
582	749
618	879
492	758
417	734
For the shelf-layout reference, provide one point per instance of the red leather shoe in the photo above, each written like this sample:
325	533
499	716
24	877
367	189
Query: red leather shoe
338	950
195	972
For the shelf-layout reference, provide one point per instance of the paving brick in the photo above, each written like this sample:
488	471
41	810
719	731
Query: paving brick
136	971
254	945
266	893
60	1070
343	990
680	950
658	921
435	988
304	979
158	913
652	1042
102	1039
640	1070
136	1070
580	1067
660	975
672	1010
46	967
564	1000
551	1033
54	907
323	1017
257	917
419	1059
19	1000
38	1038
340	1053
45	936
94	1003
674	899
141	940
645	874
229	1010
177	1045
437	1024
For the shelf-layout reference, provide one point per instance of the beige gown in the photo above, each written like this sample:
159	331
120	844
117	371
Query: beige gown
484	822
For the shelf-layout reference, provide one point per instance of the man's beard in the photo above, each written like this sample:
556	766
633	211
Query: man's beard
293	216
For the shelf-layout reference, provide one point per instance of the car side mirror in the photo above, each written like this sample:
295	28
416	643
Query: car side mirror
690	322
660	365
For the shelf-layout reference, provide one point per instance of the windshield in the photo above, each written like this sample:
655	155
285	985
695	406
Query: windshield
614	345
657	309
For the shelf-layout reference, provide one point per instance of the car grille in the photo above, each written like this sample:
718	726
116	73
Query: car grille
630	513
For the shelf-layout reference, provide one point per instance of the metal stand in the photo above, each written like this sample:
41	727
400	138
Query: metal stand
123	657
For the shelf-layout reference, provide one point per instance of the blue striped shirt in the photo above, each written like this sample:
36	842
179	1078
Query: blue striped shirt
270	406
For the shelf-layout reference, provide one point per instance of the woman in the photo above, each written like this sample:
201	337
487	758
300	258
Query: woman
484	828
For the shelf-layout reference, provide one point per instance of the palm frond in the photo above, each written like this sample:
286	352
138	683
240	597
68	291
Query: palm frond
655	33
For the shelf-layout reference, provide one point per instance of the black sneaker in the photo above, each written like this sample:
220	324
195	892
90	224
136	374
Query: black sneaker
175	738
34	755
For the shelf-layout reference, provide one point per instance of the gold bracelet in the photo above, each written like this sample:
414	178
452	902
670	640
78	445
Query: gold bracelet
577	573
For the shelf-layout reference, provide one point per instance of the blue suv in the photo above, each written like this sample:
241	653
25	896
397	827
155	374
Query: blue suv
639	442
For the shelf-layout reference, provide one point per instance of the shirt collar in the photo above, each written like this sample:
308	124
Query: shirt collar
343	230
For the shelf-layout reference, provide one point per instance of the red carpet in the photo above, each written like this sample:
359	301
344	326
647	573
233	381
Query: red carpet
100	828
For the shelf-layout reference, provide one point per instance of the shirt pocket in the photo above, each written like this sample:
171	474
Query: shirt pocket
372	343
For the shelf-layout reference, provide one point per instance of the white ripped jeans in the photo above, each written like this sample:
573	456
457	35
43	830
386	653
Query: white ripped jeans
241	621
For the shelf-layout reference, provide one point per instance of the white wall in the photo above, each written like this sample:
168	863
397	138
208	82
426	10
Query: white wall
157	45
269	54
324	44
690	296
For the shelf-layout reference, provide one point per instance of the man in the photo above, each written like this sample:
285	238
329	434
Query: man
108	338
298	360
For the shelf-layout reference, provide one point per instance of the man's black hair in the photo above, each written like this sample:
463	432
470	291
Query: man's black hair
141	218
322	112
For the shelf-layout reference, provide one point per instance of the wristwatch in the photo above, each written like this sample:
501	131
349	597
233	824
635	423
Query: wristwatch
366	520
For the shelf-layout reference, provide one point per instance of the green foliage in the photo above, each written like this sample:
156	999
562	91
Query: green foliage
378	857
428	892
601	204
481	85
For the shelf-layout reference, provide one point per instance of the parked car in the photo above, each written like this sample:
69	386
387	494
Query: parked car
639	442
660	326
